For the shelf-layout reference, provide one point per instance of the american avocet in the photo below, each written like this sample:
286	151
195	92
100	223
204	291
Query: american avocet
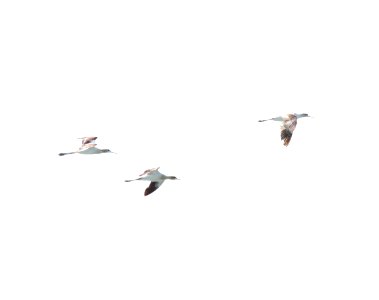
288	125
156	178
88	148
88	139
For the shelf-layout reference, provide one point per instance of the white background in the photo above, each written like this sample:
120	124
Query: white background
181	85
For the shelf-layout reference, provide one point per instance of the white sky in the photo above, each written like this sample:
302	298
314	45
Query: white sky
181	85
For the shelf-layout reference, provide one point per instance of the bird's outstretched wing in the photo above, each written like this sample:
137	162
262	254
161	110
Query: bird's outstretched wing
154	185
287	129
148	171
88	139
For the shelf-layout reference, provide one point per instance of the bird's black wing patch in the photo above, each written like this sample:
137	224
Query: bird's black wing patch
154	185
286	135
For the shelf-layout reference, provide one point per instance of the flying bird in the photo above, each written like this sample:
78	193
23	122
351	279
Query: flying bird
288	125
88	147
156	178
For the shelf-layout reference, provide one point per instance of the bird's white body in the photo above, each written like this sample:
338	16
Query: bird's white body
89	149
153	176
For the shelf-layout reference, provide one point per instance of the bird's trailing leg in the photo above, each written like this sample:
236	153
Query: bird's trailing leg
61	154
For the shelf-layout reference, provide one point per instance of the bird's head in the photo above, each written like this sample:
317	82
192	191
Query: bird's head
301	115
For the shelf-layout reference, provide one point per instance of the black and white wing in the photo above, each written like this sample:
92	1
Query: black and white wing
287	129
88	140
154	185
